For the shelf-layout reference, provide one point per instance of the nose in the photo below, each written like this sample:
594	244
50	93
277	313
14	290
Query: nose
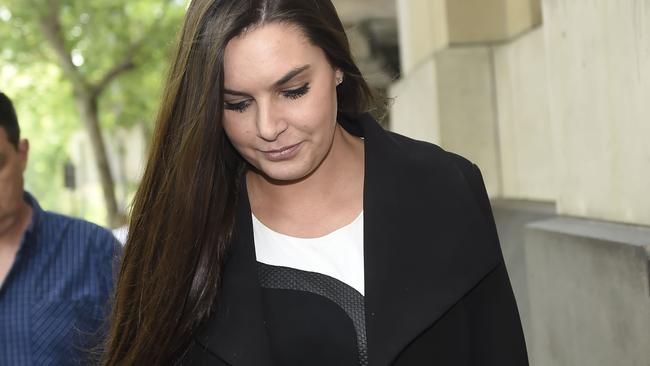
270	123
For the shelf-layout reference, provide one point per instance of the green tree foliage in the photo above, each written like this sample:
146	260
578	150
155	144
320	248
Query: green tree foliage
63	61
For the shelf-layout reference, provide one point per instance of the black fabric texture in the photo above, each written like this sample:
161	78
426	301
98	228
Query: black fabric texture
312	318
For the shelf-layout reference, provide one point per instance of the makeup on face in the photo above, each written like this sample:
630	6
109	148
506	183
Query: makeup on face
280	101
283	153
243	102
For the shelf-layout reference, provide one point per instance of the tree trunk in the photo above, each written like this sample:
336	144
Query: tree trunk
86	97
87	107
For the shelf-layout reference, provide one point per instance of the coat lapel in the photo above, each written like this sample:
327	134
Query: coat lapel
426	243
236	333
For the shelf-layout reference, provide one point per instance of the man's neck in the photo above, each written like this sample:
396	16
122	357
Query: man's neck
12	227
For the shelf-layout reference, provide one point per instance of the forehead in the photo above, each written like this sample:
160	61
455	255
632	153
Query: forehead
264	53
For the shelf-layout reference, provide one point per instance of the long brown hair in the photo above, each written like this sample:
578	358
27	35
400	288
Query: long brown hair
183	212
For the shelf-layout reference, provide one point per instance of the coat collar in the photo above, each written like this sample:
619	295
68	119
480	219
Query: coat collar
424	248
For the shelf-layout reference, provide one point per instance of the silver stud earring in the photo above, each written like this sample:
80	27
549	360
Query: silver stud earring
339	80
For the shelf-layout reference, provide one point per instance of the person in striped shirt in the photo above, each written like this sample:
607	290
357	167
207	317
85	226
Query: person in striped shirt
56	272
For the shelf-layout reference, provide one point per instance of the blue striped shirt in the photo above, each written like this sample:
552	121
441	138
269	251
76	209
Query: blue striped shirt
54	300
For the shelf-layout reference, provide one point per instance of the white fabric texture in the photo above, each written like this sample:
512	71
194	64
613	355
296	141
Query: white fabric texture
338	254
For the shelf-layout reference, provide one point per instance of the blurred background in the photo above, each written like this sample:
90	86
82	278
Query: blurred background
551	98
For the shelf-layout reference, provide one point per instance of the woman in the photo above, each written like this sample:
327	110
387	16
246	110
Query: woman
277	223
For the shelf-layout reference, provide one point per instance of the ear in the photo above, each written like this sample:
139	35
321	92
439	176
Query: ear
338	76
23	152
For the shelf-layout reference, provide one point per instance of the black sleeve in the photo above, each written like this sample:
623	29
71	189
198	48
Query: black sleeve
491	305
496	334
472	175
492	312
475	180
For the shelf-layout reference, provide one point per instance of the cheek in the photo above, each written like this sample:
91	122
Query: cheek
236	131
318	113
10	180
325	97
5	175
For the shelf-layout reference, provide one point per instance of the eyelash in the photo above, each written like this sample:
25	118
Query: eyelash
237	107
292	94
296	93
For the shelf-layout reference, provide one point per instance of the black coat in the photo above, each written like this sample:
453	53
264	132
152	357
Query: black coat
436	287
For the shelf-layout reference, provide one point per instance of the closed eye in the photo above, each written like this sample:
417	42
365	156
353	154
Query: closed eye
296	93
291	94
237	107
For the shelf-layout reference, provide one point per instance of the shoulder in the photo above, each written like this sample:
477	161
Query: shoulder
395	145
426	155
80	234
419	166
79	254
429	162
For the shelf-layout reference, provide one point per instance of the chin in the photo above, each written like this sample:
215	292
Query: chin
287	173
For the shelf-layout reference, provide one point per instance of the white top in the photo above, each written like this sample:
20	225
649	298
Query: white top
338	254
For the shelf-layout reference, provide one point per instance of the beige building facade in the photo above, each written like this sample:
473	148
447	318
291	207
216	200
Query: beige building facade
551	98
553	109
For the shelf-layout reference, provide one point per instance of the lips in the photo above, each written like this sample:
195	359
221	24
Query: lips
283	153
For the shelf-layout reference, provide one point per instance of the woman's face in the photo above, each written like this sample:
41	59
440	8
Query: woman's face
280	101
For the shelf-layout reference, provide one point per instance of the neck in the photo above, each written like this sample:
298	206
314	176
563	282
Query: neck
14	225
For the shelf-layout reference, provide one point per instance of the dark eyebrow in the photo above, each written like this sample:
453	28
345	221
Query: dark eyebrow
232	92
290	75
283	80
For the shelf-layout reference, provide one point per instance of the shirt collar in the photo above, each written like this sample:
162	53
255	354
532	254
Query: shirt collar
37	211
